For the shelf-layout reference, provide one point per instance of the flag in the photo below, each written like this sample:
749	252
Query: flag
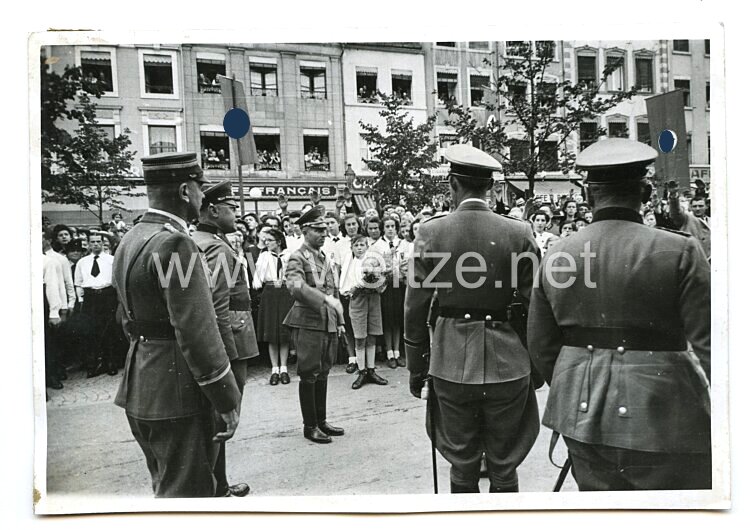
666	111
233	94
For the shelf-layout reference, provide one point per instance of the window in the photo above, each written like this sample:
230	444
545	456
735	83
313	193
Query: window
516	94
162	139
313	82
586	67
708	95
209	71
516	48
367	84
588	133
519	150
548	160
401	85
689	145
316	153
684	85
96	67
446	87
108	130
681	46
545	48
263	79
707	46
618	129
214	150
644	74
269	152
616	80
157	72
481	45
547	92
644	132
478	85
446	44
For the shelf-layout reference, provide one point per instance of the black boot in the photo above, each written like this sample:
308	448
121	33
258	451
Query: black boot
321	394
309	414
372	377
360	381
455	488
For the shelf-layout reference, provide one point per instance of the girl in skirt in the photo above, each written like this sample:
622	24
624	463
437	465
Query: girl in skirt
275	303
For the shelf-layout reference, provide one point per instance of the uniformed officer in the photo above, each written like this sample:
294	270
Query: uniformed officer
610	337
479	367
231	297
177	371
316	319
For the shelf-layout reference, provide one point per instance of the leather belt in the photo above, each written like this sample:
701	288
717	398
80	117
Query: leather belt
151	330
485	315
622	339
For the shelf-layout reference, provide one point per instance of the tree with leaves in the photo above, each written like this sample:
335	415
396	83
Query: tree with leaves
402	156
86	167
544	111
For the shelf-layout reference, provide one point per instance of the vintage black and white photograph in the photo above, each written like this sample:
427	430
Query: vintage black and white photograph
284	276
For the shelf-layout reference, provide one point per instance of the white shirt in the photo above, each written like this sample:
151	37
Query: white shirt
265	268
69	300
541	240
84	280
54	285
396	255
177	219
336	249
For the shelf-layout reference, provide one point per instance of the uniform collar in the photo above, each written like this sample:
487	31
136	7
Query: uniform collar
473	203
617	213
205	227
175	218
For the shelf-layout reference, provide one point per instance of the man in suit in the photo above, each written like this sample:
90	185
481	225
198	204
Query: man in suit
317	320
177	373
231	298
611	315
480	370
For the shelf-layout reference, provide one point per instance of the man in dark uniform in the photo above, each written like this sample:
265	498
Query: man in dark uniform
610	337
177	372
231	298
480	369
317	319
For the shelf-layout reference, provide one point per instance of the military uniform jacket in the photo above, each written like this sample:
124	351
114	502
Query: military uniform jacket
469	351
176	365
646	279
228	289
310	277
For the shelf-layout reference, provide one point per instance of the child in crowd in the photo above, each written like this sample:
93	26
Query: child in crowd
362	281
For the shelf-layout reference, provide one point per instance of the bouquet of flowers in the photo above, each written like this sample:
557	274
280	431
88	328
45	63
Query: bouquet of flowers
372	278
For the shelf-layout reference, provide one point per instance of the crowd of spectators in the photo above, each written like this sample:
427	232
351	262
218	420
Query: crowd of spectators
366	247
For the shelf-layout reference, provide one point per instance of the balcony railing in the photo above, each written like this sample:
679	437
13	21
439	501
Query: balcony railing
209	88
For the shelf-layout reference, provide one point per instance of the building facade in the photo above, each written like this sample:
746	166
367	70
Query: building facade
306	102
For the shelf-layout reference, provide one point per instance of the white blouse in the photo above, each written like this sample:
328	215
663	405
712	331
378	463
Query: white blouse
265	268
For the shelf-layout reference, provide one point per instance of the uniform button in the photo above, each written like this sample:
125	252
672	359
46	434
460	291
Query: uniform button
242	321
590	347
584	406
467	316
620	349
488	318
141	338
622	411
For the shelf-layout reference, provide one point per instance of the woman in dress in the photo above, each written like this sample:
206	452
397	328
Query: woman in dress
275	303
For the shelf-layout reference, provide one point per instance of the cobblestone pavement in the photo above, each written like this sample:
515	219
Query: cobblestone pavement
90	448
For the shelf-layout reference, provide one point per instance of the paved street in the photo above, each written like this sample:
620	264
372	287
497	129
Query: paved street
385	451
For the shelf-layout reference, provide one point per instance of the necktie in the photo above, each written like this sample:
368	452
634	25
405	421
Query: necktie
278	267
390	243
95	269
335	239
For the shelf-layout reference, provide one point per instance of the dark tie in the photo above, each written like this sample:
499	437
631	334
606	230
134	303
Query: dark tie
278	267
95	269
335	239
390	243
